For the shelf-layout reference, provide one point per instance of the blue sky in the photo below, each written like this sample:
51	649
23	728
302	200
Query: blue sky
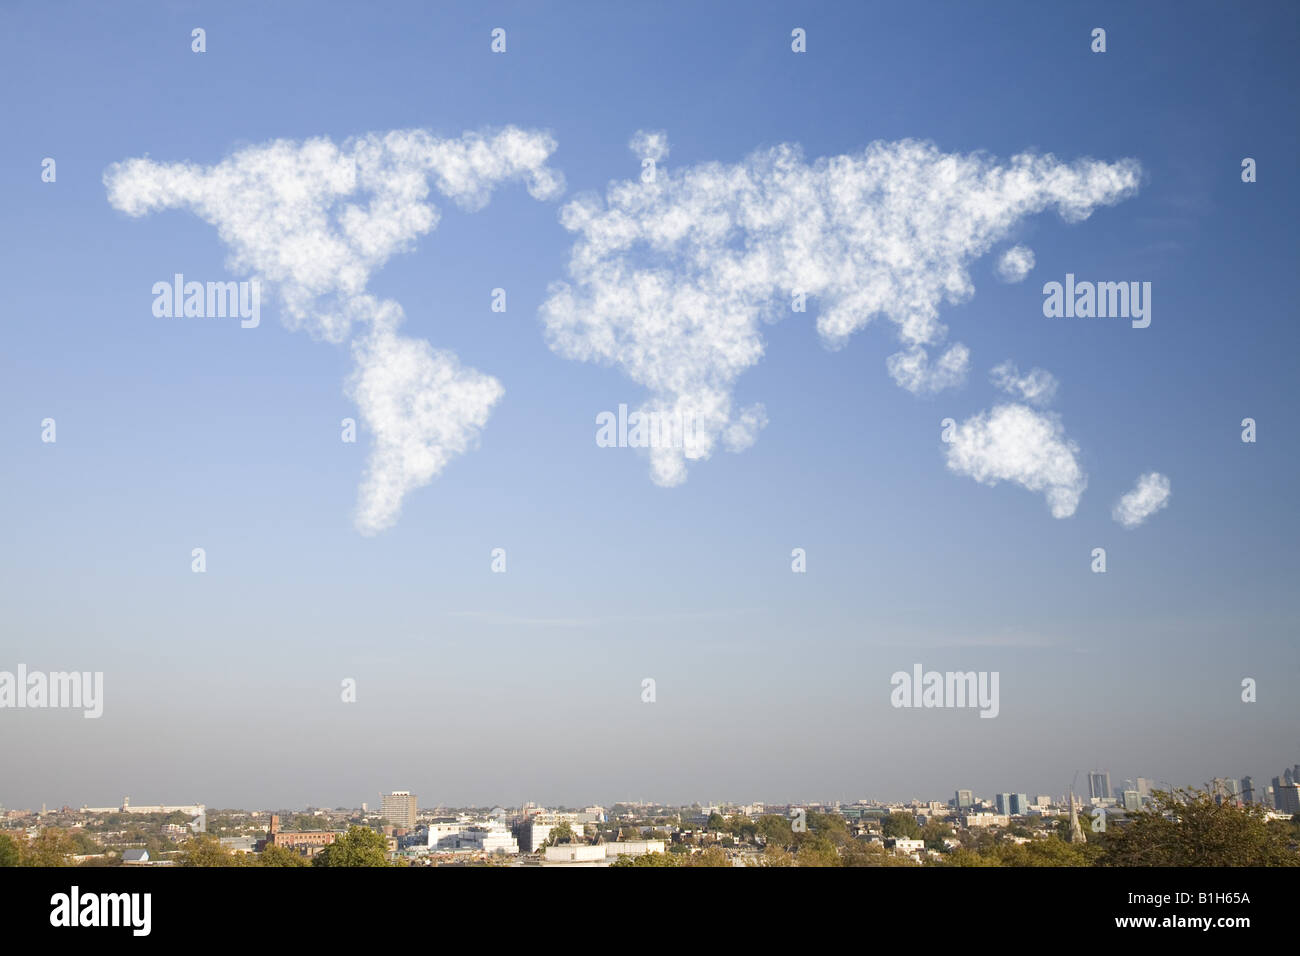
475	687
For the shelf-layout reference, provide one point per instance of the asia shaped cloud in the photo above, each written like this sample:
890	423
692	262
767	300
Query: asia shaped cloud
1015	264
1149	495
1019	444
314	221
670	279
1037	386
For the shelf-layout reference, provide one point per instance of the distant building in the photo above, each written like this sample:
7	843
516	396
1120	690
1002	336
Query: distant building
487	838
135	857
399	808
307	842
1099	784
1132	800
1287	798
972	820
1002	802
964	799
1019	804
189	809
580	853
901	845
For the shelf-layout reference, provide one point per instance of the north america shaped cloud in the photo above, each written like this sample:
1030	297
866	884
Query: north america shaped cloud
315	220
670	279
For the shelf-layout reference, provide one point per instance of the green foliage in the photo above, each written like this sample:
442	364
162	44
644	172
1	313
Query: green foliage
862	853
51	847
817	849
1187	827
561	833
776	830
647	859
11	853
204	849
902	825
280	856
360	846
934	833
713	856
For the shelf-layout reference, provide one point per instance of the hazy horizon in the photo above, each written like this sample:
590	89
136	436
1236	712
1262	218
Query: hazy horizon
896	172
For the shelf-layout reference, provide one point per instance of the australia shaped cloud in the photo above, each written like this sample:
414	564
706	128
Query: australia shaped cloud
1022	445
671	276
314	221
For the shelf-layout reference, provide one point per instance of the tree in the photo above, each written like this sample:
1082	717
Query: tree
203	849
902	825
831	825
51	847
934	833
817	850
1186	827
646	859
561	833
716	821
360	846
775	855
776	830
713	856
280	856
864	853
11	852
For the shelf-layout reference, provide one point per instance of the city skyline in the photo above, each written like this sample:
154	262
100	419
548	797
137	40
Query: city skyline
956	321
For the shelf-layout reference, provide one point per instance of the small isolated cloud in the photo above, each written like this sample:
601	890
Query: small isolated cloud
1037	386
912	369
670	280
1019	444
315	220
1015	264
649	144
1149	495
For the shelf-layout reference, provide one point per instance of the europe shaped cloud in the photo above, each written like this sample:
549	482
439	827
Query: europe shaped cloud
1015	264
315	220
1149	495
1037	386
1019	444
669	280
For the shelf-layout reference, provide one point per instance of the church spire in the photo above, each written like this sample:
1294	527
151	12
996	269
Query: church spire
1076	831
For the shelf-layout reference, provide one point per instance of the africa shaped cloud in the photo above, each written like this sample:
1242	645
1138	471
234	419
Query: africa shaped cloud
1016	443
669	279
1149	495
1037	386
1015	264
316	220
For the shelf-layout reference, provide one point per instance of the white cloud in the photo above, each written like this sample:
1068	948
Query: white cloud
669	280
315	220
1015	264
1037	386
1016	443
649	144
911	369
1149	495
